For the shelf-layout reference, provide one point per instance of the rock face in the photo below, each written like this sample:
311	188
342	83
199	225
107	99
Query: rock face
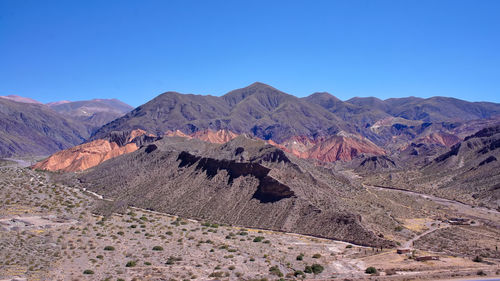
88	155
243	182
220	136
444	139
82	157
330	149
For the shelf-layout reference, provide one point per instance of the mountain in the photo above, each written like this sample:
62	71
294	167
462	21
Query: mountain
361	115
471	167
94	113
242	182
319	126
433	109
20	99
258	109
465	172
35	129
270	114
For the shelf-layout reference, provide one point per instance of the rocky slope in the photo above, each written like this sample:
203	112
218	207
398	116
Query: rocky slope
466	172
84	156
330	149
472	167
91	154
34	129
243	182
220	136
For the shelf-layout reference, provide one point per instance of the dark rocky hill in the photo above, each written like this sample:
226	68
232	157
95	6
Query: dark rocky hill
243	182
257	109
471	167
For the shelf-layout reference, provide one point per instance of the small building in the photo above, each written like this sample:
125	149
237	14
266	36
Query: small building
427	258
403	251
458	221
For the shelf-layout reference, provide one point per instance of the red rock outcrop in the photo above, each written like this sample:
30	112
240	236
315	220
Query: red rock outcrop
445	139
177	133
329	149
84	156
137	133
220	136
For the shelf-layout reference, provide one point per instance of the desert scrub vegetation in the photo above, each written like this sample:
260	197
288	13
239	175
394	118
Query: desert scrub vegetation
131	264
315	268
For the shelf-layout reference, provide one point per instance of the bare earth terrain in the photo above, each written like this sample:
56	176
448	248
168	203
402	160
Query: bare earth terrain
49	232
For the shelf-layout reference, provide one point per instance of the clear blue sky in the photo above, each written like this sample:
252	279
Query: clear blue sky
135	50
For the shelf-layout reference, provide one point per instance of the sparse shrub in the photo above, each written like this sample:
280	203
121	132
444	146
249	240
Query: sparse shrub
231	267
300	257
109	248
478	259
299	272
276	271
308	269
258	239
88	271
216	274
398	228
131	264
316	256
157	248
317	268
171	260
371	270
348	246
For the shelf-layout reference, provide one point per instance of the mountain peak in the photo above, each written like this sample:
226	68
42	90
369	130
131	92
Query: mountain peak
20	99
260	85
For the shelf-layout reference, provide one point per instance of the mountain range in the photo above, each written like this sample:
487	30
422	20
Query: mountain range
30	128
262	158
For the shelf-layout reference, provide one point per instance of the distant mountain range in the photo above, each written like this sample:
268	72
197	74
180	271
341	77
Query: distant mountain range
319	126
29	127
94	113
